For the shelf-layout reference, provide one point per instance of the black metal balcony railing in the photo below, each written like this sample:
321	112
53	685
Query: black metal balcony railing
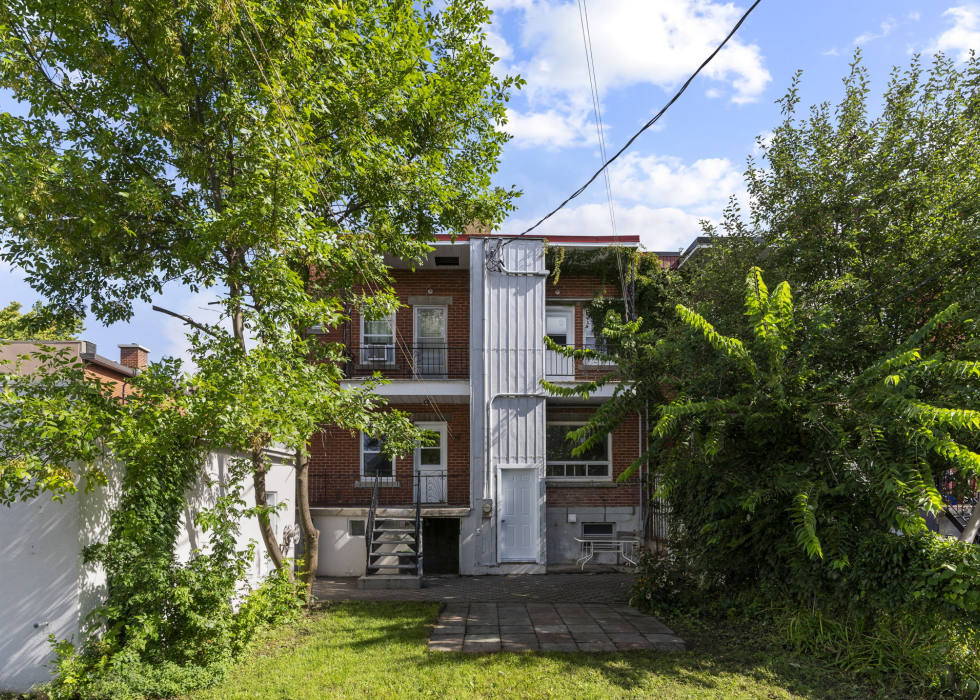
424	361
432	487
557	365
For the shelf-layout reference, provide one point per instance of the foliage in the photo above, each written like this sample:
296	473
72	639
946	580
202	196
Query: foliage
791	483
868	211
269	154
37	324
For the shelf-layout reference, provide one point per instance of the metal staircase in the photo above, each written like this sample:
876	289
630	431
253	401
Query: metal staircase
959	500
394	543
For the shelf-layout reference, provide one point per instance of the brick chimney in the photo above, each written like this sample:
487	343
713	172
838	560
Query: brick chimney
133	355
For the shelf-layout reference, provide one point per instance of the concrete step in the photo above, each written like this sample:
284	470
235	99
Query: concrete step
389	581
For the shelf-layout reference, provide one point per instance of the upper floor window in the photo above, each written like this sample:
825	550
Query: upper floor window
378	339
374	462
561	464
559	325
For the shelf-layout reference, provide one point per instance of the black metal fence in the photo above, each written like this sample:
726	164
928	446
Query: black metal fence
960	497
426	361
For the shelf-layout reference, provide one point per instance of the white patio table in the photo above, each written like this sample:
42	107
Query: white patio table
593	545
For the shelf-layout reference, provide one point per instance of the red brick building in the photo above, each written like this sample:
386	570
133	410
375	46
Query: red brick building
500	491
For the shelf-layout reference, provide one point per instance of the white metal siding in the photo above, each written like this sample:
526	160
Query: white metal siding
515	355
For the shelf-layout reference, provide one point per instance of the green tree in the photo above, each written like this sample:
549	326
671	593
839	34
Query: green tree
36	324
268	153
868	210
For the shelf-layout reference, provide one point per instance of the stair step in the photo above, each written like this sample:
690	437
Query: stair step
400	543
394	554
393	566
393	529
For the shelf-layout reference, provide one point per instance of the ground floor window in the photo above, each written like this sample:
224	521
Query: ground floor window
374	462
561	464
597	530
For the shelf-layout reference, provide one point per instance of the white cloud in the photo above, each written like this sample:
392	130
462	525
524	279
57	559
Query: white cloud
665	228
634	42
914	16
886	28
554	128
668	181
963	35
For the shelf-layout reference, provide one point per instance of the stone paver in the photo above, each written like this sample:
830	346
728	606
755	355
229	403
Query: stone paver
560	627
542	590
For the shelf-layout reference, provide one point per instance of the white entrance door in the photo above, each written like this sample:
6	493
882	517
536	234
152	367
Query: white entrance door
430	465
518	515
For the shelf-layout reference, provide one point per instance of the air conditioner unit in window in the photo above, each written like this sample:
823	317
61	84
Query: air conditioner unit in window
377	353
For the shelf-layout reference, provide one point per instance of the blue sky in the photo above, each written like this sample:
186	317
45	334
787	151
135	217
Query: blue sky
644	49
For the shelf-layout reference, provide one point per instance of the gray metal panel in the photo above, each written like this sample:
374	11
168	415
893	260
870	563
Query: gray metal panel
515	354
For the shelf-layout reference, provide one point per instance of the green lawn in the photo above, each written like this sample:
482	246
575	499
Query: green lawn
378	650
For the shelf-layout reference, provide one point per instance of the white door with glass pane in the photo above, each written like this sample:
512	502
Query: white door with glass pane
559	325
430	465
430	341
378	340
518	515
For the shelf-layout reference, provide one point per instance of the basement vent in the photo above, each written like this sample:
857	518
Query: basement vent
446	261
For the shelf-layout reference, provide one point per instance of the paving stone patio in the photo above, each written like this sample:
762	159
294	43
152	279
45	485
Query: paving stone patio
494	627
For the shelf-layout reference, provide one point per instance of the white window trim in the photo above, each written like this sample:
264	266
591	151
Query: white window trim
443	430
394	464
390	347
607	461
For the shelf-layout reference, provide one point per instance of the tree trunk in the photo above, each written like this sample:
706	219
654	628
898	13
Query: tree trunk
970	531
265	523
311	536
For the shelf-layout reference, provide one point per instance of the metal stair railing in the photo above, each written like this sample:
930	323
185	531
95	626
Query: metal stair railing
369	530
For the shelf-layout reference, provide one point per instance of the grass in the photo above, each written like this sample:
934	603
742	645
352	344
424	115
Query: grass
378	650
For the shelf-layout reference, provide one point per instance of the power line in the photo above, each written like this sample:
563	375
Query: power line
583	14
646	126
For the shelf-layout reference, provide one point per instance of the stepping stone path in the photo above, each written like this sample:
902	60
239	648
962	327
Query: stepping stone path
493	627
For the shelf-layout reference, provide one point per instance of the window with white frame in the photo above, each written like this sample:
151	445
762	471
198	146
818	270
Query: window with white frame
591	341
561	464
374	462
378	339
597	530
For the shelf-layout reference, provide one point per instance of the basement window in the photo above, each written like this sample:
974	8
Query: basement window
355	528
597	530
445	261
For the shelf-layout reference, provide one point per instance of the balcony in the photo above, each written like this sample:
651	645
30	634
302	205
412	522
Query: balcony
561	368
428	361
434	488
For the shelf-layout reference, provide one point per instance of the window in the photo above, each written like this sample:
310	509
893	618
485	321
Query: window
374	462
378	339
355	528
597	530
561	464
590	341
446	261
558	325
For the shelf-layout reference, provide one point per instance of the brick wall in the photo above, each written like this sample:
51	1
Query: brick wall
120	386
625	449
335	463
443	283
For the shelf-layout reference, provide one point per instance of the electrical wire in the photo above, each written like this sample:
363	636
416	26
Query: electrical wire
583	14
646	126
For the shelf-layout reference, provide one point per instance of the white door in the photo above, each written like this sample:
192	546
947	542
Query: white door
430	341
430	465
559	325
518	515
